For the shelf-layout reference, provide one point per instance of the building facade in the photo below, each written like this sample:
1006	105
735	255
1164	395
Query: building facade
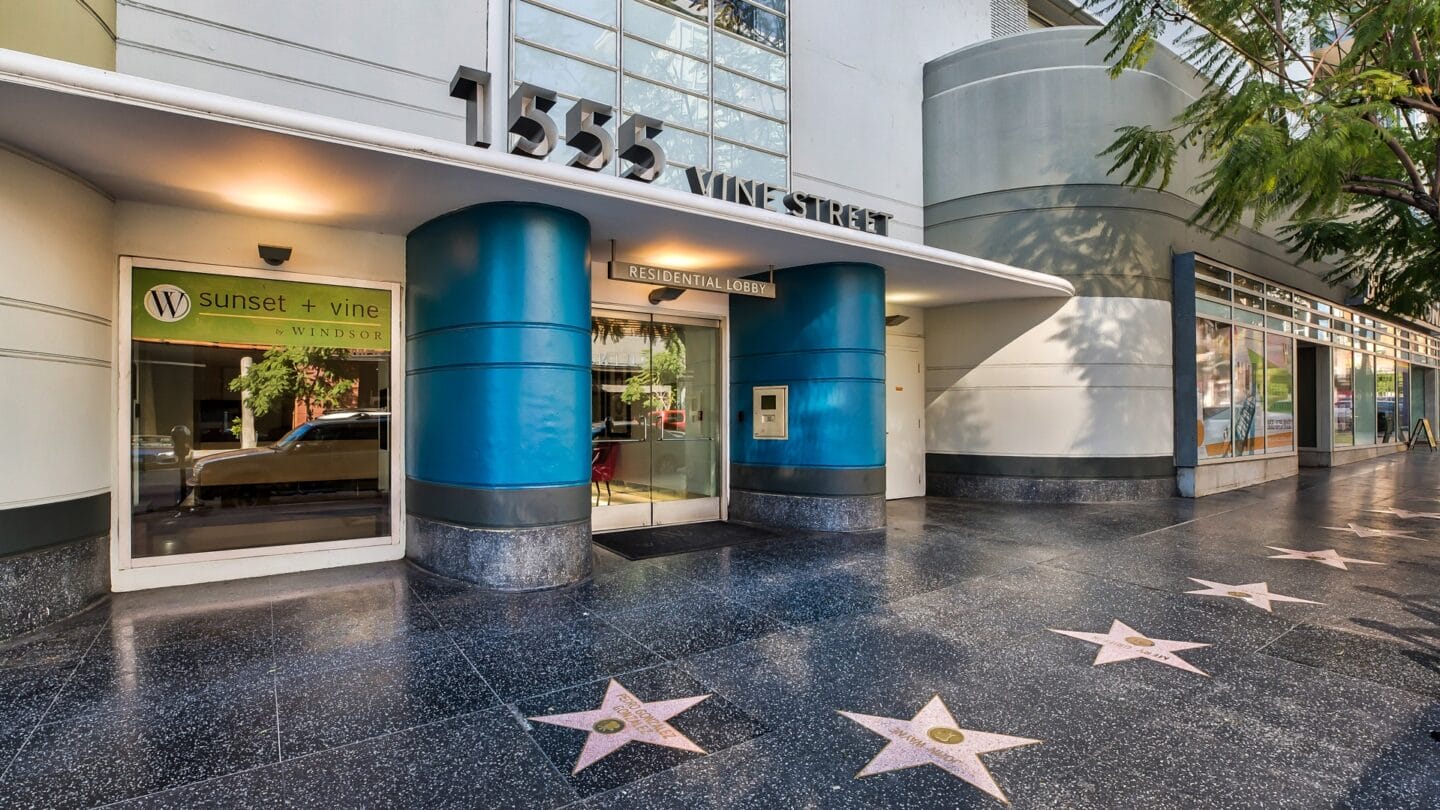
303	285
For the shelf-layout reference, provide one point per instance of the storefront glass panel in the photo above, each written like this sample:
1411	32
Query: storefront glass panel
1402	401
1249	391
1343	372
259	413
1212	383
1387	400
1417	395
656	420
1279	394
1364	398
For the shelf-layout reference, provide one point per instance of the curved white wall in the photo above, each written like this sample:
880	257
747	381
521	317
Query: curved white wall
1091	379
57	291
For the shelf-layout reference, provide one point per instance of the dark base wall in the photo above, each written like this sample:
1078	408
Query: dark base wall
523	559
1048	490
1049	480
845	513
1348	455
44	586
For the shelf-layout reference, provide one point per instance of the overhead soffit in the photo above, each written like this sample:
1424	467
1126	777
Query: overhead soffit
147	141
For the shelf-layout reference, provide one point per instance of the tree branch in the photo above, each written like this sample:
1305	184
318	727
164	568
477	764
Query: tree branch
1433	110
1381	181
1417	182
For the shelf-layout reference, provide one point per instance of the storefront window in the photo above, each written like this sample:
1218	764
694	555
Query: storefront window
1344	377
259	412
1416	396
1364	398
1387	400
1248	425
1212	387
1402	401
1279	394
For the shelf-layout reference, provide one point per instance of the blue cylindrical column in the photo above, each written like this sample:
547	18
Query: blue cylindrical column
498	406
822	336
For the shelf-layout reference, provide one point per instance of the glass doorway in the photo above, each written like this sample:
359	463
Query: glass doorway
656	420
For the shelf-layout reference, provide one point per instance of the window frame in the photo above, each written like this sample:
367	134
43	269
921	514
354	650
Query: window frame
129	573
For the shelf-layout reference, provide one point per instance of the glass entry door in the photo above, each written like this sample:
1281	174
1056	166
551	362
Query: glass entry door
656	420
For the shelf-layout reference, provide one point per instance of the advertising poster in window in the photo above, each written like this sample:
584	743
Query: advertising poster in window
260	412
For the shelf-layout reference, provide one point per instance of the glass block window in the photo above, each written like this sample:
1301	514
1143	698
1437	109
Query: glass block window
715	71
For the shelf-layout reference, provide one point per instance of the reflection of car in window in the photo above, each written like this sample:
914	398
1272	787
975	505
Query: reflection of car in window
344	451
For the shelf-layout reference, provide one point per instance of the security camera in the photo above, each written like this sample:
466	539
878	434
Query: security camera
274	255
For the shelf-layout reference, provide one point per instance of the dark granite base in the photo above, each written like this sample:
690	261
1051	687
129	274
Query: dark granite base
848	513
44	586
1048	490
524	559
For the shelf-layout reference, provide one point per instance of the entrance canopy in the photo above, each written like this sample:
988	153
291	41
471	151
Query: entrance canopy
152	142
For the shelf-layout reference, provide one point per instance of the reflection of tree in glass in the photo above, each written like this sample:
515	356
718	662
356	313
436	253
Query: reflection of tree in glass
310	376
696	7
658	383
748	21
613	330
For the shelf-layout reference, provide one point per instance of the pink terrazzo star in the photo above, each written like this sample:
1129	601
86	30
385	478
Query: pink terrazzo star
1329	557
623	718
932	737
1366	531
1123	643
1255	593
1406	514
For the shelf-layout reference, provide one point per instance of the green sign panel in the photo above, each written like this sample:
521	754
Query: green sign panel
181	306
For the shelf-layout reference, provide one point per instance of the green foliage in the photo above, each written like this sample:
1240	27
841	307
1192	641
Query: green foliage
1320	115
657	384
311	376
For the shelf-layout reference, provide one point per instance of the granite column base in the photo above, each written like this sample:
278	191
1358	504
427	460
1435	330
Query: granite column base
842	513
48	584
524	559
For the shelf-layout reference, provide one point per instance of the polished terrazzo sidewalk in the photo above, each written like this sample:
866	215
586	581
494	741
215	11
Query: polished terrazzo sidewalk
1066	656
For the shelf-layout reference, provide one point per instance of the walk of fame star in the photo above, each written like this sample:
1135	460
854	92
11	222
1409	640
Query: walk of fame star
1123	643
1329	557
623	718
1366	531
1255	593
1405	514
932	737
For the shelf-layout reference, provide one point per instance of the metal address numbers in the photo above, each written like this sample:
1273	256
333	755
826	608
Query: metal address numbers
537	135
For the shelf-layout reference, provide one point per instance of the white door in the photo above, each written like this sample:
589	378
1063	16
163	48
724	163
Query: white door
904	417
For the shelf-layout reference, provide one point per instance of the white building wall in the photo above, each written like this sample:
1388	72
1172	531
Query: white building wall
57	308
372	61
187	235
856	79
1088	378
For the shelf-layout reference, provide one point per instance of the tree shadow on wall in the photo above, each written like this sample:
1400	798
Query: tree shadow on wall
1102	250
